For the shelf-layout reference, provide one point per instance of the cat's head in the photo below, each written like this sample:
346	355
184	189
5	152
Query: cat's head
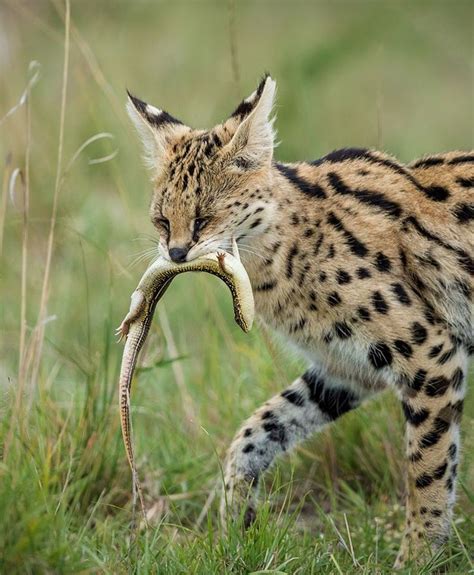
208	186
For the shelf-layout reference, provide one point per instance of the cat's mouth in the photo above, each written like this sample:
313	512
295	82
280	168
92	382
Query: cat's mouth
189	256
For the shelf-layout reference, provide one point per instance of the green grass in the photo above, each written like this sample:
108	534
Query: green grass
393	75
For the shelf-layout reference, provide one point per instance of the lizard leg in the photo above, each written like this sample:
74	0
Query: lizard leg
136	307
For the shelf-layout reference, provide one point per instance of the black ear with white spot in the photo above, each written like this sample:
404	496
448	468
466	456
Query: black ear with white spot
156	128
254	137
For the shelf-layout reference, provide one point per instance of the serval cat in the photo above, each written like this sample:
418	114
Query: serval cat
363	263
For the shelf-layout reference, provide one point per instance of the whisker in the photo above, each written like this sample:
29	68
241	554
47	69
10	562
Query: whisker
146	238
147	254
247	251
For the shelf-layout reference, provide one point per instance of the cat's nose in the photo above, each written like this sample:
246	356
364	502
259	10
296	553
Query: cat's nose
178	255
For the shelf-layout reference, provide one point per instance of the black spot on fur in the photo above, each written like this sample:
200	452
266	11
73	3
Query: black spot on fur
434	435
424	480
464	213
418	381
457	409
403	259
437	386
289	262
327	338
418	333
363	273
403	348
437	193
322	277
247	432
275	432
431	438
267	286
380	355
305	186
462	159
440	471
342	155
366	155
354	244
294	219
303	273
298	326
457	379
374	199
318	244
427	162
343	277
382	262
332	401
435	350
463	257
363	313
414	417
334	299
256	223
293	397
428	312
248	448
417	456
401	294
379	303
343	331
452	451
446	356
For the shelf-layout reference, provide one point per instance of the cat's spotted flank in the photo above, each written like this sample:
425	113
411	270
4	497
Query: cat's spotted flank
365	264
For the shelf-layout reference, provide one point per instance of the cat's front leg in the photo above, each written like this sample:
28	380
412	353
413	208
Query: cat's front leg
311	402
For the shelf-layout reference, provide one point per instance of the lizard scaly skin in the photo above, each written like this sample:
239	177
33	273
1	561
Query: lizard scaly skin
134	328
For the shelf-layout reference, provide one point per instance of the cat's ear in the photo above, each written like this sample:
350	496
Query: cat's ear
254	137
157	129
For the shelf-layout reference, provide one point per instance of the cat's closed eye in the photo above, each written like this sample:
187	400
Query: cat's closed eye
162	223
199	224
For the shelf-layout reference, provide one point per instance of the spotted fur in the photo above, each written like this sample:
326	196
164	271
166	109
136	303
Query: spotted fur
363	263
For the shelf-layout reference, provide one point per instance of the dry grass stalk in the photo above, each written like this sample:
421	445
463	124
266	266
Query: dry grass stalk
234	59
40	325
25	178
188	405
3	205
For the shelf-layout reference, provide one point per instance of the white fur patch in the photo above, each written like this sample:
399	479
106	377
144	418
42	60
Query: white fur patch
252	97
152	110
255	135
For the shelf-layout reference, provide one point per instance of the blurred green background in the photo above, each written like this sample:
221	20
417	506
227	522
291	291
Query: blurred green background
392	75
